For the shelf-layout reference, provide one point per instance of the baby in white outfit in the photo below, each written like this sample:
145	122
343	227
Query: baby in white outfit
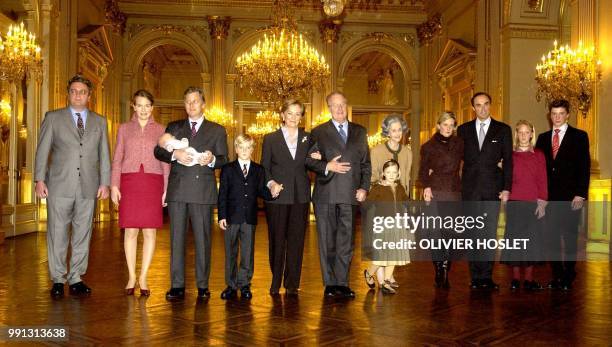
170	143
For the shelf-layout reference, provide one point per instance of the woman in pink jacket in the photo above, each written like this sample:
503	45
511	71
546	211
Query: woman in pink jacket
138	186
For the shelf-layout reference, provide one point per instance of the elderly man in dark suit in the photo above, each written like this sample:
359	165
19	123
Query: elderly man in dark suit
568	164
72	171
192	191
486	178
341	184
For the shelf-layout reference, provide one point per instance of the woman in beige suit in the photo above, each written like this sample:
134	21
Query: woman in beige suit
394	127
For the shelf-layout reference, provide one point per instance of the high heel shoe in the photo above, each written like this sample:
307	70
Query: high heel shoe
369	279
145	292
386	288
129	291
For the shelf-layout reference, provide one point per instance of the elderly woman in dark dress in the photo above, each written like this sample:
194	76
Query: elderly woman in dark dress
441	158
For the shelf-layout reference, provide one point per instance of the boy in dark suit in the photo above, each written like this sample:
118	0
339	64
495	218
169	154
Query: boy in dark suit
242	181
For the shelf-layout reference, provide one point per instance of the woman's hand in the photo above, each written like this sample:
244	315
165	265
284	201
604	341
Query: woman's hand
316	155
115	195
541	209
427	194
164	203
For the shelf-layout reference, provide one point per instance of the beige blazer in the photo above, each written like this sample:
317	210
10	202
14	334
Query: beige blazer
63	160
379	154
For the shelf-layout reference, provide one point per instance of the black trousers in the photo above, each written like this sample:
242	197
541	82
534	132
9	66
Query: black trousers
239	236
335	226
482	260
562	239
286	229
201	219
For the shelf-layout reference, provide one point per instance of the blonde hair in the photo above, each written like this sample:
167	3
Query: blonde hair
530	126
446	115
244	139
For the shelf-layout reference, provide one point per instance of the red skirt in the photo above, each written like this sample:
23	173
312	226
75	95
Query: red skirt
141	200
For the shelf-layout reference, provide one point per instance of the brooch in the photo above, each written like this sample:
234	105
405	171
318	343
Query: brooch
304	139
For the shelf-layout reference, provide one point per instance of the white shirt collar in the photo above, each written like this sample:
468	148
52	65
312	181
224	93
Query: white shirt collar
243	162
562	127
344	125
486	122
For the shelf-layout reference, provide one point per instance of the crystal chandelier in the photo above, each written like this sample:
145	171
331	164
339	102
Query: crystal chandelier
19	55
282	64
320	119
265	123
220	116
5	112
375	139
333	8
569	74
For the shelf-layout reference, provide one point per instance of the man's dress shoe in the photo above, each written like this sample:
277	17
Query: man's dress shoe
175	294
57	291
80	289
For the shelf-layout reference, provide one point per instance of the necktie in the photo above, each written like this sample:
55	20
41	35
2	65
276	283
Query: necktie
481	135
80	127
244	170
342	133
555	143
193	129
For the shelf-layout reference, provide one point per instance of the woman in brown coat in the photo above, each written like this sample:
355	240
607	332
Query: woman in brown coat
441	158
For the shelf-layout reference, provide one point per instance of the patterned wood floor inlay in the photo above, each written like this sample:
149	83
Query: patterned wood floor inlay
417	315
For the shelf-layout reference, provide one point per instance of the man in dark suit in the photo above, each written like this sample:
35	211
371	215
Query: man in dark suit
568	164
341	184
192	191
72	172
487	144
242	181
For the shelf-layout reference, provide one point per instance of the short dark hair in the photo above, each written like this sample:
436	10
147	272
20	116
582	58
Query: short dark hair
193	89
334	93
81	79
559	103
145	94
388	163
479	94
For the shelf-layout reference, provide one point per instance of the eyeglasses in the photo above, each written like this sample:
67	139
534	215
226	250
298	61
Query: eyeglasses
79	91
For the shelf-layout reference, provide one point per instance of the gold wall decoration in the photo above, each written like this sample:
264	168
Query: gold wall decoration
565	73
218	26
429	29
265	122
114	17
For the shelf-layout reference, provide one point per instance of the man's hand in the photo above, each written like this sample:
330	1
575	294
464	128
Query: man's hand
577	203
41	190
102	192
337	166
223	224
275	189
541	209
427	194
206	158
182	156
361	195
164	203
115	195
504	195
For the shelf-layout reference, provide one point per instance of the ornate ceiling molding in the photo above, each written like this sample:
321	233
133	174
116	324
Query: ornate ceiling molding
114	17
330	31
219	27
168	29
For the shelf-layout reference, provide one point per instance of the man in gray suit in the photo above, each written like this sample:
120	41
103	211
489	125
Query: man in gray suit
192	191
72	171
341	184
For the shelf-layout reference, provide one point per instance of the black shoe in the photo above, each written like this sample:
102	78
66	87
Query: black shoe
554	284
386	288
228	293
475	284
274	292
291	292
203	293
516	284
175	294
489	284
57	291
532	285
345	291
245	293
80	289
330	291
446	265
566	285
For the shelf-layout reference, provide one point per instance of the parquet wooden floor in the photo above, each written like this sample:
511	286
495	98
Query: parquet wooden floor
418	315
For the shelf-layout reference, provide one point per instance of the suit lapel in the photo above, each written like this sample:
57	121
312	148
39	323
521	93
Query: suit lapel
566	138
90	124
492	131
68	122
280	138
334	134
302	146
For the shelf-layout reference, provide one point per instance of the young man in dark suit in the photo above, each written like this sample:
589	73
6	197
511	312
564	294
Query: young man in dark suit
192	191
487	143
568	164
341	184
242	181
